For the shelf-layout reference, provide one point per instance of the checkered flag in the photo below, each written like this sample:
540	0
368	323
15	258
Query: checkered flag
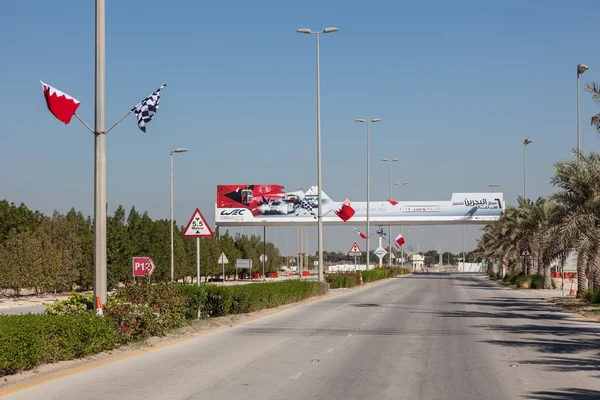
147	108
380	231
306	205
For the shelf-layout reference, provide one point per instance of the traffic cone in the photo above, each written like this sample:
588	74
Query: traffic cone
98	307
572	292
360	282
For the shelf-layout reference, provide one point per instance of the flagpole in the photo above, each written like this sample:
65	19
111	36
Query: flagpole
117	123
100	156
83	122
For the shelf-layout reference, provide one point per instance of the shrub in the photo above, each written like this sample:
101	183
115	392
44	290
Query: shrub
74	305
537	281
216	301
593	296
350	279
27	341
341	280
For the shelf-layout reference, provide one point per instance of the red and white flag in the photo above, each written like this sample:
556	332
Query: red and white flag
60	104
362	236
345	212
393	202
399	240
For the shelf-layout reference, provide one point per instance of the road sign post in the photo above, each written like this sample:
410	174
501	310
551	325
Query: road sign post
197	227
355	251
263	260
380	252
223	260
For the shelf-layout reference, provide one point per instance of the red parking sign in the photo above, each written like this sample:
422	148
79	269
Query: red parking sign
143	264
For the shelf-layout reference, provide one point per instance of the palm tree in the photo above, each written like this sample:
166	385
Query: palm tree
594	90
576	218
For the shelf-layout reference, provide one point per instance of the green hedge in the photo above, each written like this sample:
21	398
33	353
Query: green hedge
351	279
27	341
593	296
535	281
217	301
69	329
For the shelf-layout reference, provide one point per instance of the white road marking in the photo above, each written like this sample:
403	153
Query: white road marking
296	375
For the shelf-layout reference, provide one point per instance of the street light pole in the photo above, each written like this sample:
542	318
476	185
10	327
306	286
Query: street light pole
401	184
319	182
368	179
525	143
178	150
581	68
390	161
100	157
300	233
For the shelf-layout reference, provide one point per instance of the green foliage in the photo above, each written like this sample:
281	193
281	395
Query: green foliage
526	281
593	296
216	301
351	279
76	304
56	253
342	280
69	329
27	341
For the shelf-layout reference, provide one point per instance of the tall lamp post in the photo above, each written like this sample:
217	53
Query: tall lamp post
319	183
178	150
368	177
401	184
581	68
525	143
390	161
300	230
493	186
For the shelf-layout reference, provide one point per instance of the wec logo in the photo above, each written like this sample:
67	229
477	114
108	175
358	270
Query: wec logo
235	211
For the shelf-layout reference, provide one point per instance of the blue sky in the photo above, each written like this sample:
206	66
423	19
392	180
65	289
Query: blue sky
458	86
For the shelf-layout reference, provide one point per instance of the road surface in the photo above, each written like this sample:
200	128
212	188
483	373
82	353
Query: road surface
427	336
36	309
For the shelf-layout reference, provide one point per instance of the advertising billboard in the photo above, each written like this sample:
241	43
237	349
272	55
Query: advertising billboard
270	205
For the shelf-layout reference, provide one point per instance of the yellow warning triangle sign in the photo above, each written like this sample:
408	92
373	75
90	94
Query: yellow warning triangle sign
355	249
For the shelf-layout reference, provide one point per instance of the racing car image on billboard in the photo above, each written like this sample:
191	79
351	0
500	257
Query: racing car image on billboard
270	200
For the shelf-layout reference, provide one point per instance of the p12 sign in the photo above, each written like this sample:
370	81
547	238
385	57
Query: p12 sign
141	265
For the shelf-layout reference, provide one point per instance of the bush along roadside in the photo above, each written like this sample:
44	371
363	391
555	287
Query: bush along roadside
351	279
523	281
69	329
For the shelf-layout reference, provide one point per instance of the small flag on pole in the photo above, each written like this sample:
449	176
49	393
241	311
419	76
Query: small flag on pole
145	110
60	104
362	236
399	240
345	212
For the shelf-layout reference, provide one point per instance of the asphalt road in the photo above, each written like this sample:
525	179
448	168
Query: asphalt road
37	309
428	336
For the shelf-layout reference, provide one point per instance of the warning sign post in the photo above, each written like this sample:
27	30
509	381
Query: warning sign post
197	227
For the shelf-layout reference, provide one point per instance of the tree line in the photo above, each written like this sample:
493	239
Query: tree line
55	253
552	228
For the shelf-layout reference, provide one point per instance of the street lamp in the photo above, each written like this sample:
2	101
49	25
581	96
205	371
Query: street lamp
493	185
581	68
319	185
300	263
368	175
393	160
401	184
525	143
449	240
178	150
